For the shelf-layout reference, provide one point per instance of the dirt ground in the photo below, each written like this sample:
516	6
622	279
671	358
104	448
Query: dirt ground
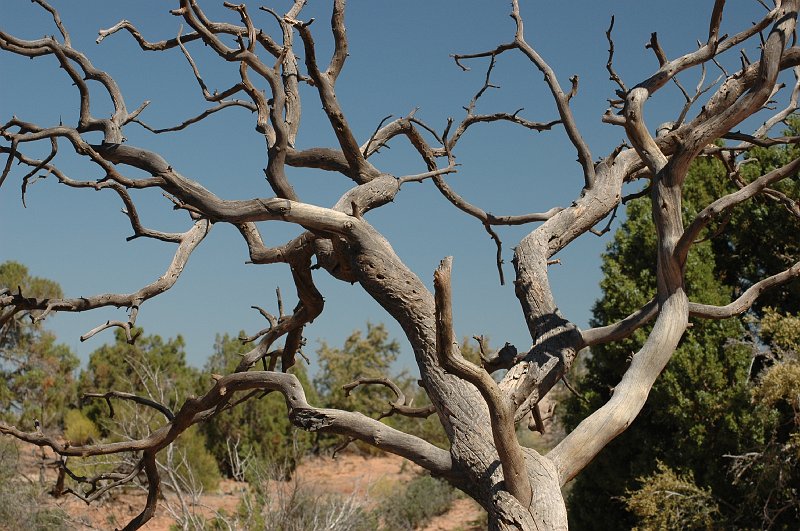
344	475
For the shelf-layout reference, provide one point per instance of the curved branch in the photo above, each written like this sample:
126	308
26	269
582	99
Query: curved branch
363	171
621	329
729	201
561	99
157	46
133	398
400	405
746	300
578	448
339	39
95	491
191	239
195	119
501	412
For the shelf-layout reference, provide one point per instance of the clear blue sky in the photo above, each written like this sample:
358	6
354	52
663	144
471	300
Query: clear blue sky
399	60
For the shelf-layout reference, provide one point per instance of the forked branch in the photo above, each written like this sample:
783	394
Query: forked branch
501	413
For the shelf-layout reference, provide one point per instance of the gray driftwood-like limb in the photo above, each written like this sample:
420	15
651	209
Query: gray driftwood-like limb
190	240
731	200
501	414
746	300
399	406
324	82
620	329
301	413
561	99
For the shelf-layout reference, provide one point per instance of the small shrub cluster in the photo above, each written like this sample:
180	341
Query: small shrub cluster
78	429
21	502
422	499
667	500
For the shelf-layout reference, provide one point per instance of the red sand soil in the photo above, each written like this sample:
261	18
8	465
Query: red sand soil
344	475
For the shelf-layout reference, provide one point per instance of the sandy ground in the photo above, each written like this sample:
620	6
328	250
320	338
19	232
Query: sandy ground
345	475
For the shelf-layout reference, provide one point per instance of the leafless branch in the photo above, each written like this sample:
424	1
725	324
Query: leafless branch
610	63
191	239
400	406
562	102
502	416
726	202
107	396
746	299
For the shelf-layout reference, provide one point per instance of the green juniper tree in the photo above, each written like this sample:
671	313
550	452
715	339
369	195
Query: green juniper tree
36	374
363	355
701	408
155	369
257	429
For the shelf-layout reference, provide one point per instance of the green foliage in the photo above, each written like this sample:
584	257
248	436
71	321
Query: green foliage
367	355
259	428
780	385
667	500
151	367
780	331
419	501
36	374
78	429
770	476
699	408
15	277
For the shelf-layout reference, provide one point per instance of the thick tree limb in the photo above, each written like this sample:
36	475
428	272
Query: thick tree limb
512	459
621	329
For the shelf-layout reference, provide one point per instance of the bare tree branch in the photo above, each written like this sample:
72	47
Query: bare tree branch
501	415
562	102
107	396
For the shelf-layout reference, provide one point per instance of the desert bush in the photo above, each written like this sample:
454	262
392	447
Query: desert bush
422	499
21	501
78	429
275	505
668	500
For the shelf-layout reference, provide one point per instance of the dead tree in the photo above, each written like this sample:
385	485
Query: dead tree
519	487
